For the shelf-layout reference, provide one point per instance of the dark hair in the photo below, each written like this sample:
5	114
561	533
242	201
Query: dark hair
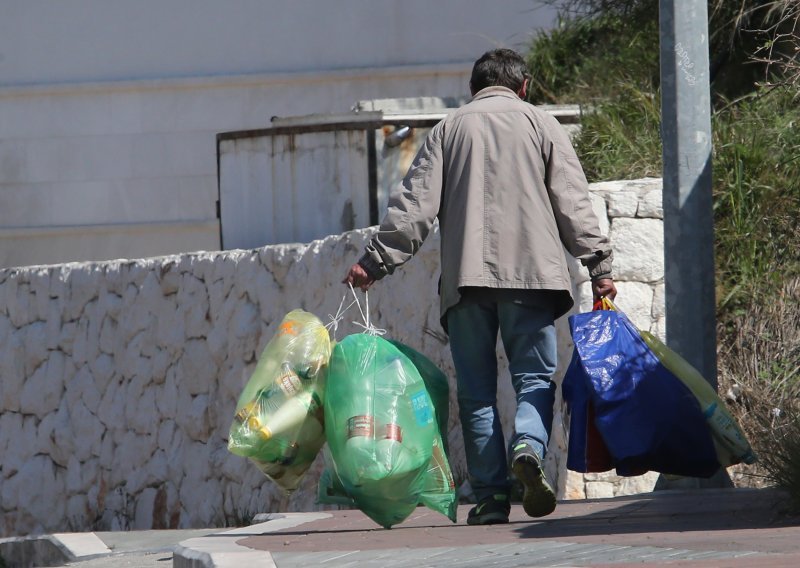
499	68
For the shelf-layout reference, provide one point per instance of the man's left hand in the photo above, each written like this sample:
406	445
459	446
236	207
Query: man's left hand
604	288
358	277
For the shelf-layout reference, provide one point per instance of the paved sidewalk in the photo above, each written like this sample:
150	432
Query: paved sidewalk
706	528
702	528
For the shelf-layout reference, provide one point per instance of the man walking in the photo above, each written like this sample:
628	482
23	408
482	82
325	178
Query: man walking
504	181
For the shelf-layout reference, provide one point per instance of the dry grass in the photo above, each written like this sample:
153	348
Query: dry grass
759	372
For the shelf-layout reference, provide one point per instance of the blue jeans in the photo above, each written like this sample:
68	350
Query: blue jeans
529	340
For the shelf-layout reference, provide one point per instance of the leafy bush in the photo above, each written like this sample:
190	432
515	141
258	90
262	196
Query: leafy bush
566	65
620	138
756	198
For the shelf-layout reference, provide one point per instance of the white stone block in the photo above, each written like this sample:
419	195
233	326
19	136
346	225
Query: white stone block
35	350
584	300
167	400
73	477
158	468
79	344
659	301
39	477
133	451
160	362
170	330
134	389
12	371
19	307
622	204
77	516
59	275
659	328
224	270
166	434
43	391
600	208
102	370
63	439
67	336
145	419
650	205
197	463
81	383
194	418
198	371
15	447
110	304
636	300
599	490
638	249
170	277
107	448
195	314
244	330
40	290
84	283
145	509
111	411
53	324
637	484
217	342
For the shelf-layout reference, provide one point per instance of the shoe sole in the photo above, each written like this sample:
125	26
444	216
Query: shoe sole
539	499
489	519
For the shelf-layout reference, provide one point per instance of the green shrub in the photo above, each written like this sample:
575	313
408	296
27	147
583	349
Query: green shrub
585	60
620	138
756	197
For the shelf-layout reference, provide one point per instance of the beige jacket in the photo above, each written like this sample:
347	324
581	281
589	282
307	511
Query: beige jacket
504	181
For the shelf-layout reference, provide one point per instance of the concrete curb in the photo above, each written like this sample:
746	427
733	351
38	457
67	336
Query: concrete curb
221	550
51	550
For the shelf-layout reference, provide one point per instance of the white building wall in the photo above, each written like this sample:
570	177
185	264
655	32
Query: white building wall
120	379
109	110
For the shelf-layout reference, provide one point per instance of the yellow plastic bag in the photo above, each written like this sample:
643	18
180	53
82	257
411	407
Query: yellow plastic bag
279	421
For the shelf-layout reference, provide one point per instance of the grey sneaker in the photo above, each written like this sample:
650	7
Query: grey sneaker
539	498
492	510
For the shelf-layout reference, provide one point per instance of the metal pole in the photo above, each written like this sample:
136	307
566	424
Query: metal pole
688	215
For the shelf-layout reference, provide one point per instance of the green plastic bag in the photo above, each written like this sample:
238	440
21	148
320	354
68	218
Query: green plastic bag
439	493
383	436
279	420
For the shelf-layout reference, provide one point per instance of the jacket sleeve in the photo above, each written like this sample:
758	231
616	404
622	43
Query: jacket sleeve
413	207
577	223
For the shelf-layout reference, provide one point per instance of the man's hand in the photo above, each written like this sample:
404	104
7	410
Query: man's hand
604	288
358	277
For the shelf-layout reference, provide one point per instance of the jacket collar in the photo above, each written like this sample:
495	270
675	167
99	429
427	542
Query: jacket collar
495	92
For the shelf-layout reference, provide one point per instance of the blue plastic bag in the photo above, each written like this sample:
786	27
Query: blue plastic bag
647	419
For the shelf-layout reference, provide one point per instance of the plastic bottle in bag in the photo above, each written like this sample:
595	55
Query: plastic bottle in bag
290	413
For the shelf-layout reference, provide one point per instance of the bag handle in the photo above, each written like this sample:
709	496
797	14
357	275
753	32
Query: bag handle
604	303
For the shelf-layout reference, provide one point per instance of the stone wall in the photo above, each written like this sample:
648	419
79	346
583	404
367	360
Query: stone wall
118	380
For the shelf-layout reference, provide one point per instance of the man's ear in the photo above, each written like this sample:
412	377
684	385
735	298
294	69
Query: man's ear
523	90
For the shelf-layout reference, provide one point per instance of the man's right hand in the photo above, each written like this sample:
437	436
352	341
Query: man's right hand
358	278
604	288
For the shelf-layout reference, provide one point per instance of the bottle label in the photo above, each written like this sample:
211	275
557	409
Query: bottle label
422	408
361	425
393	432
245	411
288	381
